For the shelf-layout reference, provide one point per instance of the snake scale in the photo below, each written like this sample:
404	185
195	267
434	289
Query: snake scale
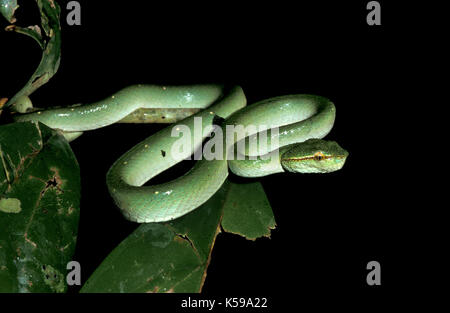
300	120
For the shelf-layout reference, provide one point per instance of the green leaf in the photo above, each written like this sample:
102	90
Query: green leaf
50	42
247	211
7	9
39	208
168	257
174	256
31	31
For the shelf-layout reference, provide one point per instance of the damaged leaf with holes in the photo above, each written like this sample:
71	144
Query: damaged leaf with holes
174	256
39	208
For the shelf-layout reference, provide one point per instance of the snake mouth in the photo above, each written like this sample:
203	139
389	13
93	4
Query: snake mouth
314	157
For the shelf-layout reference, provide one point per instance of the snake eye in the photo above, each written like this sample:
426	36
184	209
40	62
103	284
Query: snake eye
318	156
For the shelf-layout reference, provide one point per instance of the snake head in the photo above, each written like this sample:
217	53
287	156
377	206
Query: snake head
314	156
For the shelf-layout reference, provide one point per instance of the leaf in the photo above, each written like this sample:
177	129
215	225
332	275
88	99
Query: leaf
31	31
39	208
247	211
173	256
162	257
7	8
50	44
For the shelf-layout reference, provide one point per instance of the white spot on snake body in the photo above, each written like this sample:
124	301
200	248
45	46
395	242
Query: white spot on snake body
156	192
188	97
98	108
168	192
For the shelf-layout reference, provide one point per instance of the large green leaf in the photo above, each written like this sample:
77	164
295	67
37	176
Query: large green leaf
247	211
169	257
39	208
49	40
174	256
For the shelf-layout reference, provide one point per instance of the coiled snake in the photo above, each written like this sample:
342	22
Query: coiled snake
301	120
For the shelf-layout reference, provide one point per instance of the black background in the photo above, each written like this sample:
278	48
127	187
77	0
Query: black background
329	226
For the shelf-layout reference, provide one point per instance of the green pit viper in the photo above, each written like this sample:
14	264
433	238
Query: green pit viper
301	121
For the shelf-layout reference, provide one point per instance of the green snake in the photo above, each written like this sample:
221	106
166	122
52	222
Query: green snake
301	120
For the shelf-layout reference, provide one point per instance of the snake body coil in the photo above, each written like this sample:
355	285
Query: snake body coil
301	120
